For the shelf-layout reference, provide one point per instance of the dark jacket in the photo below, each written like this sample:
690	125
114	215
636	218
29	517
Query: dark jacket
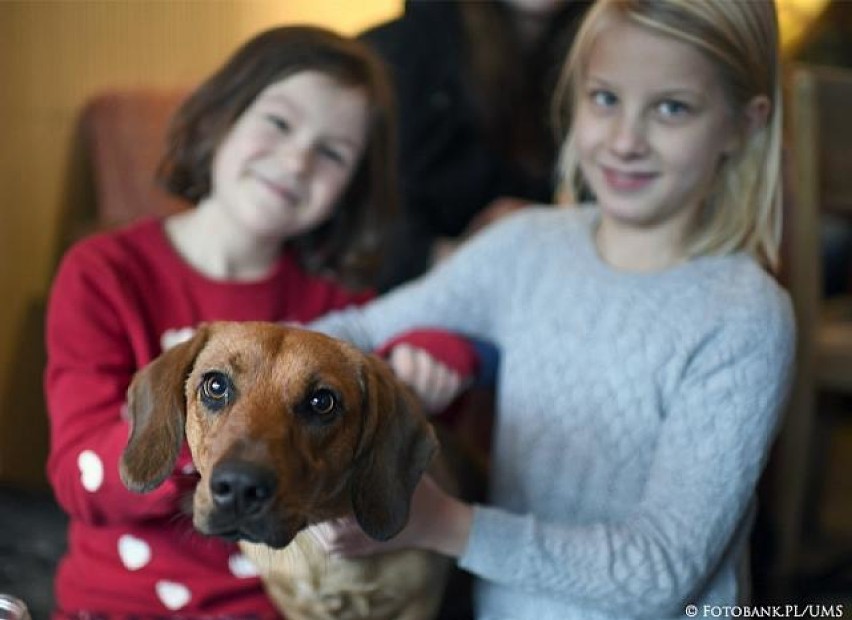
449	167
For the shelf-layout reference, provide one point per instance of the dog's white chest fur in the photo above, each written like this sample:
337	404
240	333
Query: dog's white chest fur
312	586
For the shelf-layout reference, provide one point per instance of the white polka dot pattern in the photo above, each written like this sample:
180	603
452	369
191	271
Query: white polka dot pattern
134	552
91	470
172	337
241	566
173	595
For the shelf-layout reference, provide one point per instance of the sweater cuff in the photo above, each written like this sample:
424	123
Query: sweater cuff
452	350
486	552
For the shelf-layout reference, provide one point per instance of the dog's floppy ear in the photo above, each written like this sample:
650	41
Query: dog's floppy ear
396	446
157	408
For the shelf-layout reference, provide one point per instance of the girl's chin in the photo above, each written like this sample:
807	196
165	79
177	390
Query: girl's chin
282	228
632	216
265	224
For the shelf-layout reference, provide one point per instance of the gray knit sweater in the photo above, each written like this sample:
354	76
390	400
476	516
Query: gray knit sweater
635	412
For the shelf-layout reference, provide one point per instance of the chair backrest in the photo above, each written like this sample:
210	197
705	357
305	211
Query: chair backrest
124	132
818	176
820	115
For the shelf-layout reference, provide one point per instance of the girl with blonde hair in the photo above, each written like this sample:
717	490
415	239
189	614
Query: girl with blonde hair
646	350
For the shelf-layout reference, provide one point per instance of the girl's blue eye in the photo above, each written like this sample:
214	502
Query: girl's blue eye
673	109
603	98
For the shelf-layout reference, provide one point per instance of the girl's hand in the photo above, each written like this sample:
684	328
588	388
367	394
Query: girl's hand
497	209
438	522
435	383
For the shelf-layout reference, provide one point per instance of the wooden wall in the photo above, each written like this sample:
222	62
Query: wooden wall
53	56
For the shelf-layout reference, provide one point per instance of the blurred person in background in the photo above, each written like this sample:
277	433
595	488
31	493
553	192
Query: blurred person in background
473	82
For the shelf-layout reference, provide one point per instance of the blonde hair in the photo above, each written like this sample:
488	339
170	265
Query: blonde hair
743	209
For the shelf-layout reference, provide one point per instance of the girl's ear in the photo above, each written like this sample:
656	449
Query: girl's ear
757	113
754	117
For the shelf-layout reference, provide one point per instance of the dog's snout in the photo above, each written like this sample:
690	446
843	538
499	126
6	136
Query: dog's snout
244	489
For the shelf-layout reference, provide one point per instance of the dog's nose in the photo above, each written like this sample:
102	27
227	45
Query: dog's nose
242	488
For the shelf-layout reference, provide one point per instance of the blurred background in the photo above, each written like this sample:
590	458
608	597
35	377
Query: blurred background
54	57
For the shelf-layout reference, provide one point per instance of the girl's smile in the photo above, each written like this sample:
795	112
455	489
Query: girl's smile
626	182
284	191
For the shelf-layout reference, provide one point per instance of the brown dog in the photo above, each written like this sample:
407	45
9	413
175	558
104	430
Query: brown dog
288	428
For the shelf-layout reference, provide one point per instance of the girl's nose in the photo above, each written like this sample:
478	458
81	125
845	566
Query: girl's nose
627	138
295	158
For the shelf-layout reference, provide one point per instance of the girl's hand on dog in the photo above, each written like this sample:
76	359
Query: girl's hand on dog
438	522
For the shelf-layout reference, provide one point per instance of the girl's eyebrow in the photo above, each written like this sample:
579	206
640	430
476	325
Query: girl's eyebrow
280	98
599	80
679	93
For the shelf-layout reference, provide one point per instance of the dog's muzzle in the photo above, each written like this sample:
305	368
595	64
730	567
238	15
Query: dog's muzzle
243	495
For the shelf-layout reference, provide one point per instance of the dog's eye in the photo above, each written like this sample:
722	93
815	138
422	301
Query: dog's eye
216	390
322	402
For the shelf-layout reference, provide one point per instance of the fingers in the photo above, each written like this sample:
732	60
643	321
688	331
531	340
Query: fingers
432	525
343	538
497	209
443	248
434	383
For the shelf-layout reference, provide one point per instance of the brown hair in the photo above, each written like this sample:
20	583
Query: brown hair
511	83
349	244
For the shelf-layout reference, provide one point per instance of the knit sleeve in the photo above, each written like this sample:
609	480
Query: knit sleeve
720	420
463	294
90	365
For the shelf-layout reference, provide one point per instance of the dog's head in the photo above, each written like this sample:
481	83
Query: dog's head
286	427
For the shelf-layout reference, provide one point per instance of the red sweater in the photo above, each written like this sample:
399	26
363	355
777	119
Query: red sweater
119	299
